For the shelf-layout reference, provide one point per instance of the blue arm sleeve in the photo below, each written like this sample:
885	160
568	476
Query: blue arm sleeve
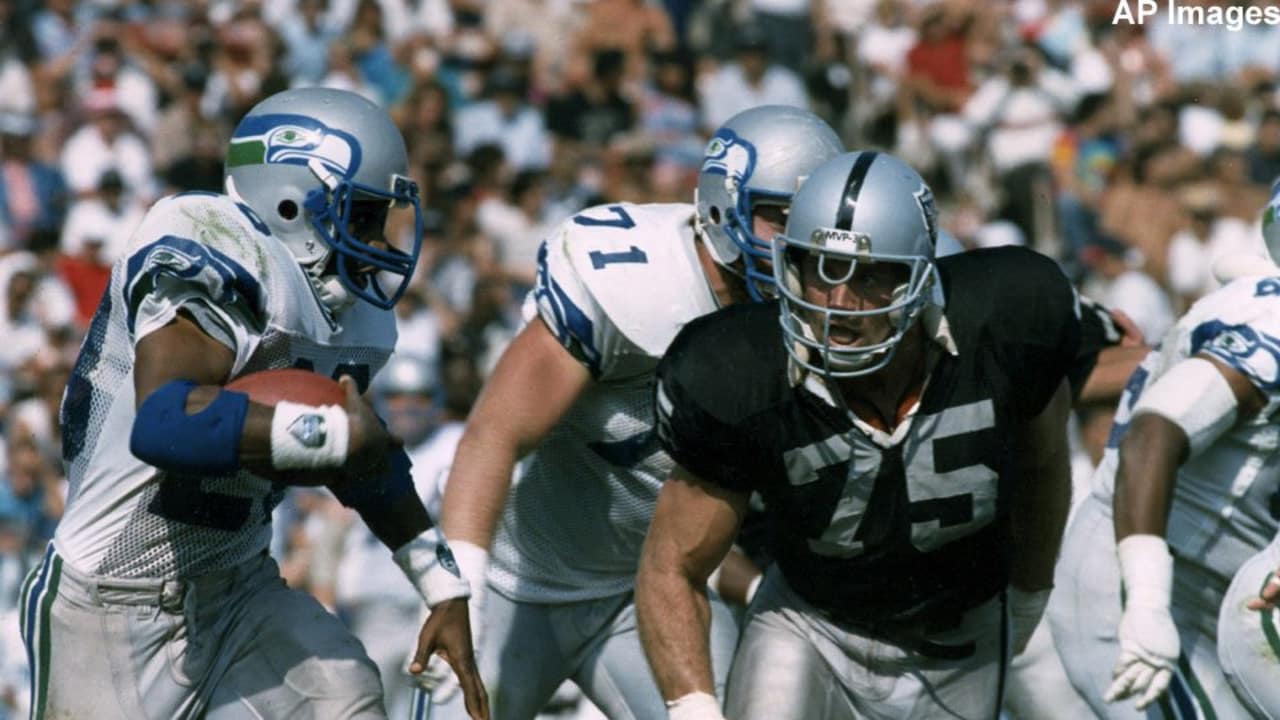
204	443
376	496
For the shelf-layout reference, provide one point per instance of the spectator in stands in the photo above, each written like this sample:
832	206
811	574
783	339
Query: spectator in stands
504	118
1018	112
1119	283
937	85
306	37
595	112
1083	162
106	142
1263	156
748	80
134	91
634	28
96	232
668	115
32	194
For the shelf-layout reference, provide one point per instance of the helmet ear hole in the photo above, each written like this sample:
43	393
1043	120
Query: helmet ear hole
715	214
287	209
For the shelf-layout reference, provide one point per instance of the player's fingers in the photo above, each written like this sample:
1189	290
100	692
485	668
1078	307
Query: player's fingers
473	694
1271	591
1155	688
1270	595
1125	675
422	655
1131	333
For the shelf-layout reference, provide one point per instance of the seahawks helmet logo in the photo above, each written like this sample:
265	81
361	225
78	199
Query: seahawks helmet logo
731	156
293	140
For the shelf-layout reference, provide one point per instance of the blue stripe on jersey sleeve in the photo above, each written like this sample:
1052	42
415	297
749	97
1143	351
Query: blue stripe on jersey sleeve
1252	352
225	281
571	326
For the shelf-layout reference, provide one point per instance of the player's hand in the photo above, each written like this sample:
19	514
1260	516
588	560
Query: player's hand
1269	598
1149	648
370	442
1131	334
440	679
447	634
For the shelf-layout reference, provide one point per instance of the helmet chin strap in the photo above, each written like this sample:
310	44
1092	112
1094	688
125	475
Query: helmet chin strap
330	290
328	286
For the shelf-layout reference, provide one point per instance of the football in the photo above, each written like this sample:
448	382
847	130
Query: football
269	387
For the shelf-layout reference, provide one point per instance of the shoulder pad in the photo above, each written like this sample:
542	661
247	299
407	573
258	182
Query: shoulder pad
206	242
1240	325
641	268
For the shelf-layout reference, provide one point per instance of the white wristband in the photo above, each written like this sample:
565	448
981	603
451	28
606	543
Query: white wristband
473	563
1194	396
1147	569
428	563
694	706
306	436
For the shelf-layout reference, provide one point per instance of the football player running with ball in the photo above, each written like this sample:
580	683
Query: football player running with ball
905	421
157	597
573	396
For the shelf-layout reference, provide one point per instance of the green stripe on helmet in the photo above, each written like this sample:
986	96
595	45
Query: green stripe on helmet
246	152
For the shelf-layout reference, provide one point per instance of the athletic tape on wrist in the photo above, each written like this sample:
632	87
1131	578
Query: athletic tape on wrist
304	437
694	706
1147	569
473	563
429	564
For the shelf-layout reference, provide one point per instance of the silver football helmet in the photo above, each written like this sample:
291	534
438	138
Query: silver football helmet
759	156
321	168
856	209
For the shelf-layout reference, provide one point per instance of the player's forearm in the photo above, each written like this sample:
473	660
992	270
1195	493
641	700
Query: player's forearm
399	523
1043	496
1039	520
1107	379
479	482
1150	454
255	436
675	619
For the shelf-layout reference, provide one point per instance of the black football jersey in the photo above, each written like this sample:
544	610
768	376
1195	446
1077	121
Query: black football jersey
872	535
1098	331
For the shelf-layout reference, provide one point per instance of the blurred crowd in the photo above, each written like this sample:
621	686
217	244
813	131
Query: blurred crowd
1132	154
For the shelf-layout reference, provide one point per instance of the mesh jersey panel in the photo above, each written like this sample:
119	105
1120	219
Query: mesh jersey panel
125	518
620	281
575	521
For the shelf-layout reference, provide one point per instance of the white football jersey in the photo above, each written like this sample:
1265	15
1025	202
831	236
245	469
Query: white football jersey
1227	500
615	284
212	258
